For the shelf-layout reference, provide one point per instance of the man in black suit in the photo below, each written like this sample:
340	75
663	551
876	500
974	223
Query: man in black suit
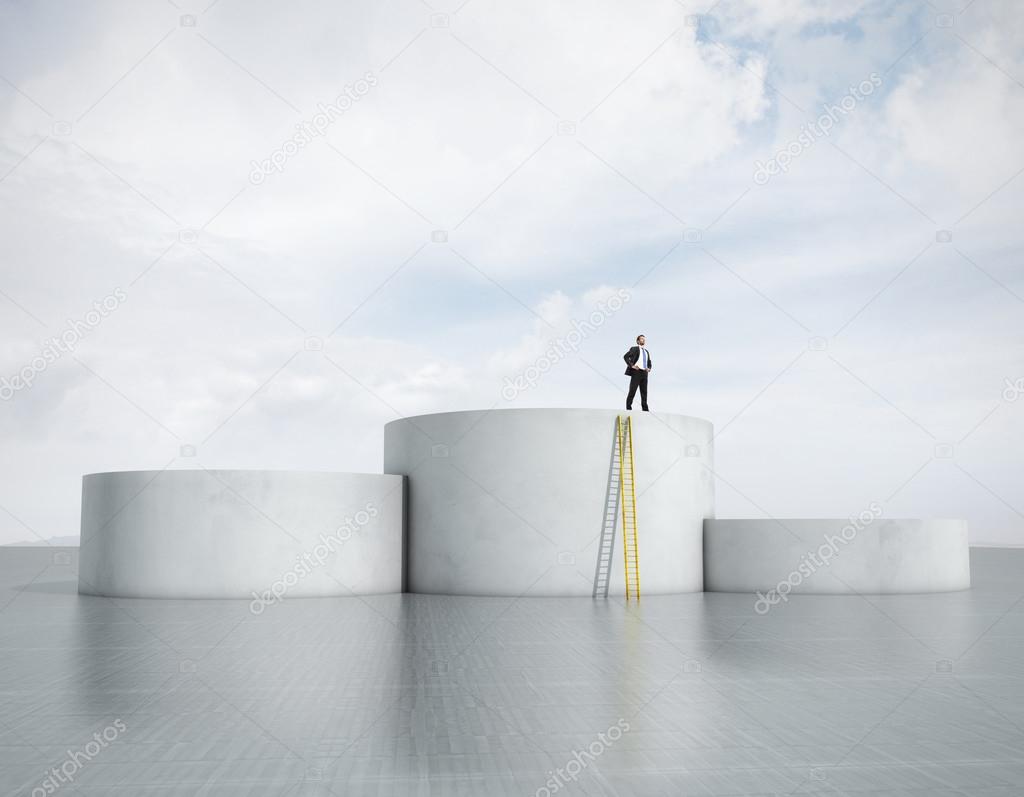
638	365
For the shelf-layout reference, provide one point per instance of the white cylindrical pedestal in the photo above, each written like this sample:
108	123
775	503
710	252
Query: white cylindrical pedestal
512	501
240	534
837	556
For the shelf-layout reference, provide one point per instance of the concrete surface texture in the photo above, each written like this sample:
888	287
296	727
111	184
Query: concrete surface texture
232	533
864	554
510	501
416	695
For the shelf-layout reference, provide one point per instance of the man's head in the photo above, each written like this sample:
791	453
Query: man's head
640	340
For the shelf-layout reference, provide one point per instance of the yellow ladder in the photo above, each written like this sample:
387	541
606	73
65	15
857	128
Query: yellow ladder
627	492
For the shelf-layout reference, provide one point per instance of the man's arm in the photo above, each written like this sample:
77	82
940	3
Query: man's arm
626	357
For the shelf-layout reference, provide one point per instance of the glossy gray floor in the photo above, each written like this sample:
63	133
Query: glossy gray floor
417	695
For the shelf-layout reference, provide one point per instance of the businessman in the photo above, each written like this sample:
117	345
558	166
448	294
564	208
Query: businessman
638	365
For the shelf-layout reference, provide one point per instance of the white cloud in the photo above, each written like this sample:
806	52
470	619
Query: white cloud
462	135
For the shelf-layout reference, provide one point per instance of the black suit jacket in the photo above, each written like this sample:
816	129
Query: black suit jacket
632	356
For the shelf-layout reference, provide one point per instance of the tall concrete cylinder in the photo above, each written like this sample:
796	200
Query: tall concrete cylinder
513	501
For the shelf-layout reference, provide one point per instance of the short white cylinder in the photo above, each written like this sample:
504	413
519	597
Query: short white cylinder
512	501
263	535
836	556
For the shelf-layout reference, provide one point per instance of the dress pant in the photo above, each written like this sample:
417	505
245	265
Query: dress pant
638	379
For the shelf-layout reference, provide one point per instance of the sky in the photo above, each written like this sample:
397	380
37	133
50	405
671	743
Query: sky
260	231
